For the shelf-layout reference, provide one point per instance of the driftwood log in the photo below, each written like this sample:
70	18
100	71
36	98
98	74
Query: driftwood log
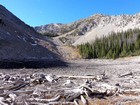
47	89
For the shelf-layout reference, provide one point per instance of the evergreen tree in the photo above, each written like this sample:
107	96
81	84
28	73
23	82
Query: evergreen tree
115	45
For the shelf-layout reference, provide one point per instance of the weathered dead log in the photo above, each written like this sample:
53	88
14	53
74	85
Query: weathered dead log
72	96
76	102
68	82
81	77
2	101
14	87
34	82
17	86
36	93
51	103
12	96
39	94
3	95
86	87
131	91
84	101
86	90
50	78
128	74
23	92
44	100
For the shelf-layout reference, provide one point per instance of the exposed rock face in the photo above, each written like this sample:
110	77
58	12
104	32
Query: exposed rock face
54	29
79	28
96	26
20	41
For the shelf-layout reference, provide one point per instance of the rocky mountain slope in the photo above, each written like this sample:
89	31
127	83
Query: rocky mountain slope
54	29
20	41
95	26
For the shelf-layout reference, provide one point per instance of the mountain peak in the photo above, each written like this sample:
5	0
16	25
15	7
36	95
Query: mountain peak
95	26
97	15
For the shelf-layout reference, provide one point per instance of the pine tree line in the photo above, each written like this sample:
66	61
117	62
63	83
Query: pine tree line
116	45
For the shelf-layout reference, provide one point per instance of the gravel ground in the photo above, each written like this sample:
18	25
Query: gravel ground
123	74
88	67
113	69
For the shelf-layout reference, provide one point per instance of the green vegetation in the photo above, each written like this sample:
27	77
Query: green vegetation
116	45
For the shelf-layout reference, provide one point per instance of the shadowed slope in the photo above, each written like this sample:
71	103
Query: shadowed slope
20	42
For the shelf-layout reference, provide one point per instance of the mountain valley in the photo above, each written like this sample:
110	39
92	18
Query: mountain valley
43	65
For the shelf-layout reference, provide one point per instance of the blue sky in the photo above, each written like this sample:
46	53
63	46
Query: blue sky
40	12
